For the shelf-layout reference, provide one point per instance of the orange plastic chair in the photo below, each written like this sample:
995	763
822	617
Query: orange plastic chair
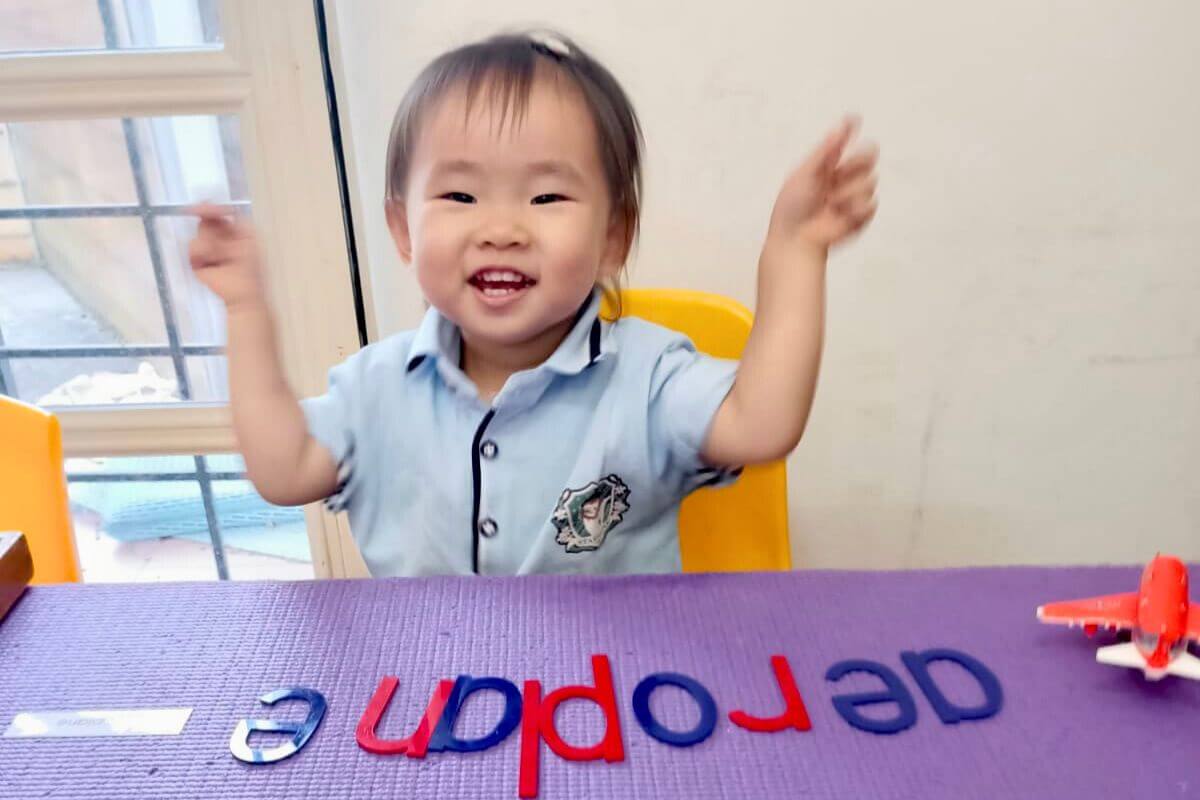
738	528
33	489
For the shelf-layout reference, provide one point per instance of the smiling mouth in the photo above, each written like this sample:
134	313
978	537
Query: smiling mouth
500	282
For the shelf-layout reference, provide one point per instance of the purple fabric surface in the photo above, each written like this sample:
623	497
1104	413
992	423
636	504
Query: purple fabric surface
1070	728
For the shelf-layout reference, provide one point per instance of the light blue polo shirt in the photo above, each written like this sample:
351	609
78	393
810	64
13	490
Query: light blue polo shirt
577	465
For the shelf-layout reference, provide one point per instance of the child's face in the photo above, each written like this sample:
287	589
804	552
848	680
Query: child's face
509	226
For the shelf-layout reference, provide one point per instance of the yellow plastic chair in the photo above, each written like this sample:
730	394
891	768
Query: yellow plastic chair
737	528
33	489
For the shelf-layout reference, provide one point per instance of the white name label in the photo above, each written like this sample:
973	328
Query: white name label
101	722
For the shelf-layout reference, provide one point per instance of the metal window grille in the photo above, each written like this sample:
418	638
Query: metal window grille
175	348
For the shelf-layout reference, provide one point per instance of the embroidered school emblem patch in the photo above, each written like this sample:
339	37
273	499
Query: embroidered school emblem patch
585	516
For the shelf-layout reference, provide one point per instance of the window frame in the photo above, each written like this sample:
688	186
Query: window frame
276	91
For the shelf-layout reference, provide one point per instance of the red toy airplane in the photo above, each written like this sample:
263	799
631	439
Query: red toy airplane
1158	614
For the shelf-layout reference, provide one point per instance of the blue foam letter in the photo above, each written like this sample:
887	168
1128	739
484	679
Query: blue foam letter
645	718
443	736
847	704
239	743
950	714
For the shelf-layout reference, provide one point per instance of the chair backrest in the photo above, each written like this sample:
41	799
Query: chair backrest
33	489
735	528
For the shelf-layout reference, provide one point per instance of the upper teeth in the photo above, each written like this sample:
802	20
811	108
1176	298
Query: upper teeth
500	275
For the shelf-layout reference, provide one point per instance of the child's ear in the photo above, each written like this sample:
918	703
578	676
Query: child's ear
616	249
397	220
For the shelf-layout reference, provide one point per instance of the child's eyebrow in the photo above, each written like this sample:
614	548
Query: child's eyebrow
552	167
456	167
556	168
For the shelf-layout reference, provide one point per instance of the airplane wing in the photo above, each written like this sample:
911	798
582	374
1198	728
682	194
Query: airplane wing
1115	611
1185	665
1121	655
1193	628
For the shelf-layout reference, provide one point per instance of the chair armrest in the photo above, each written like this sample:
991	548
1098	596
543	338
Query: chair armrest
16	569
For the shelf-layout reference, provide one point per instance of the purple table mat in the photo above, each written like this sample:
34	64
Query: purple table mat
1069	728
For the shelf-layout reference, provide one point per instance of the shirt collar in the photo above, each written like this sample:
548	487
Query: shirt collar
585	344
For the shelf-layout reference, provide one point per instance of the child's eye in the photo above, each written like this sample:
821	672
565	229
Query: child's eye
457	197
543	199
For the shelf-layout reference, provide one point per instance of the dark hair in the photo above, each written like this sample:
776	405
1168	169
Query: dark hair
505	67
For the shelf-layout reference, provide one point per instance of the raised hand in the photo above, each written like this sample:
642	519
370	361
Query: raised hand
225	257
831	196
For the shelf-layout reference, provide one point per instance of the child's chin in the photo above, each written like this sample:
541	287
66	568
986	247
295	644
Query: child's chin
509	329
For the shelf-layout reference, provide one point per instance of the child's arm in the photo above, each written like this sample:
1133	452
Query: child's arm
823	202
286	464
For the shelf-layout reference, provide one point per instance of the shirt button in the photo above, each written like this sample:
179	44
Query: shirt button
488	527
488	449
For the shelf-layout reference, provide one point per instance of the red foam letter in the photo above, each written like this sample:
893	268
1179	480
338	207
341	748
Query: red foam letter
414	745
538	723
531	740
794	715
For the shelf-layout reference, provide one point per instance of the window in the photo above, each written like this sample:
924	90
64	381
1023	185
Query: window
34	26
181	518
115	116
108	310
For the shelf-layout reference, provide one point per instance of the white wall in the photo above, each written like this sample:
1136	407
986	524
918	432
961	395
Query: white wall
1012	369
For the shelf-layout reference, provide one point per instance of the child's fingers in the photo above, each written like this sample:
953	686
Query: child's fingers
860	163
213	245
859	212
829	152
218	220
203	251
217	228
845	131
209	211
223	232
864	216
861	188
211	219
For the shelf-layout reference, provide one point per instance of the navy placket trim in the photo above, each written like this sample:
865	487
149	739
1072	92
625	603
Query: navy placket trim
594	342
477	480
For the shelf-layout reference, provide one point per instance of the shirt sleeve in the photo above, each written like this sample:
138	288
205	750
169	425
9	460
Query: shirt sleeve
686	389
331	421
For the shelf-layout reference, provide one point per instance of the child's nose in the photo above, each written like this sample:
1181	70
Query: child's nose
504	231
